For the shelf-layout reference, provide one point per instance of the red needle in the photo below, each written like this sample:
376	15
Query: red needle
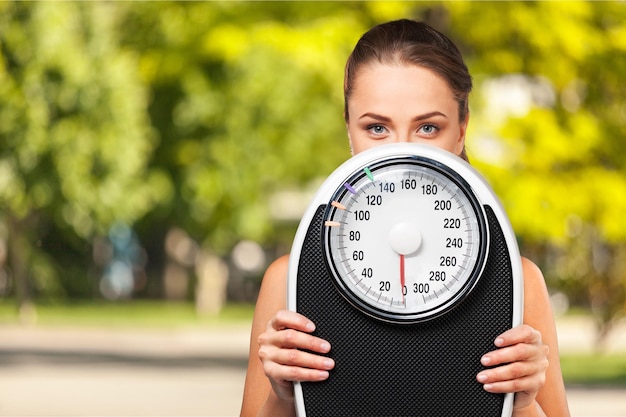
402	276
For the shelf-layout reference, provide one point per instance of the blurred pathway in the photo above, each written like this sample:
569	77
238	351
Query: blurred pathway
183	372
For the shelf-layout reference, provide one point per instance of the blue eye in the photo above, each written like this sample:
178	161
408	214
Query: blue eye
377	129
429	129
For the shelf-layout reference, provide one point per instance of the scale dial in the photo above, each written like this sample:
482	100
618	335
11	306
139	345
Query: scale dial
405	238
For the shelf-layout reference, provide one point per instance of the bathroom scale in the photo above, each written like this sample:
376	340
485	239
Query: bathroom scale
406	262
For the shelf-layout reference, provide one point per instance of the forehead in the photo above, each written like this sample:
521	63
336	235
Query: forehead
401	88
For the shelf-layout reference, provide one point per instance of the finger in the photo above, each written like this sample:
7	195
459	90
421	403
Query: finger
278	373
295	365
520	334
299	358
516	353
285	319
514	372
293	339
532	383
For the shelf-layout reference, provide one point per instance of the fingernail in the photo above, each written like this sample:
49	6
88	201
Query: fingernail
323	374
485	360
310	326
488	387
499	341
325	346
482	377
329	363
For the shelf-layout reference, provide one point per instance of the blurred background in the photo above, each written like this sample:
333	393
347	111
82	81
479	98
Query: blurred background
155	157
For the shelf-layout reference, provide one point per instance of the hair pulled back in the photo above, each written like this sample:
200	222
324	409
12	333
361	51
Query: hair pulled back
416	43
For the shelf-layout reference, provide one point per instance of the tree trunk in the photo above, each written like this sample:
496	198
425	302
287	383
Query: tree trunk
19	255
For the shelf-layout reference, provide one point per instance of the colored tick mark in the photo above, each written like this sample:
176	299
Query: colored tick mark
338	205
369	173
349	188
330	223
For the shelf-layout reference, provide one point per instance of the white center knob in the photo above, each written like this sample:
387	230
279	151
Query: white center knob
405	238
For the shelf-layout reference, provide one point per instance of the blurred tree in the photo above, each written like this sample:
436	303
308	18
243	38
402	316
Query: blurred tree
74	136
193	115
550	134
246	98
247	102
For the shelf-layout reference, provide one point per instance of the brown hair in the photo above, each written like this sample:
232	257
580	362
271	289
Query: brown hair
409	42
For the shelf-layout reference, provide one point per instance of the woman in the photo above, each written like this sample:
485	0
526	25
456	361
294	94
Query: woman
404	82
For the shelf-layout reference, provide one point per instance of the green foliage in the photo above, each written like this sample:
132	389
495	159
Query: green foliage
137	314
252	102
193	114
598	370
559	161
74	135
565	155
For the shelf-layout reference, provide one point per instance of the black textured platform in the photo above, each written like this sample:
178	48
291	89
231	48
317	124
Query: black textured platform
425	369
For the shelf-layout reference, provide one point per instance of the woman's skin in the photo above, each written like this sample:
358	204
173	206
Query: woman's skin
401	103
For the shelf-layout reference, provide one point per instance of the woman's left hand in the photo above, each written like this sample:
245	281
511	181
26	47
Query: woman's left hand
519	365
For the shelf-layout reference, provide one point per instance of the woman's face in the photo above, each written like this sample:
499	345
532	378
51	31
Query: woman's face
405	103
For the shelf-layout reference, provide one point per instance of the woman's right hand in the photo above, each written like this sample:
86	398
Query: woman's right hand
289	353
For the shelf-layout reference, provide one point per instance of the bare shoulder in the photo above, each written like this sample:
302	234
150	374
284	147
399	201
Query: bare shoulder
276	273
537	309
531	271
273	292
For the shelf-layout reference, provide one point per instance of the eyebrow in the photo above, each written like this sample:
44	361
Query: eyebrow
415	119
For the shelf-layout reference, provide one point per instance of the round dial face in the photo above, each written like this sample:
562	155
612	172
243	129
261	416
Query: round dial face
405	239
